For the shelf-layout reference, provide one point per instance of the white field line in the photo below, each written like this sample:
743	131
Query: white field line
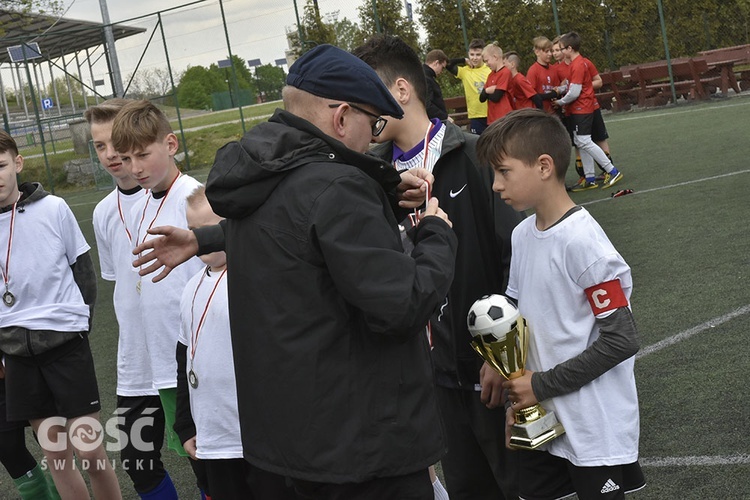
694	461
612	119
686	334
670	186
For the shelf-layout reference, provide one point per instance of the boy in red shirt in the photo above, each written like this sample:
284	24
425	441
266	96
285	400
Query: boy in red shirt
495	90
580	106
522	94
542	75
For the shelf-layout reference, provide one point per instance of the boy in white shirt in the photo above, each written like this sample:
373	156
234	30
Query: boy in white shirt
573	288
207	418
47	300
142	136
136	396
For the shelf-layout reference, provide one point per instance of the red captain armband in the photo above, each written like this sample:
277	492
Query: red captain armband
606	297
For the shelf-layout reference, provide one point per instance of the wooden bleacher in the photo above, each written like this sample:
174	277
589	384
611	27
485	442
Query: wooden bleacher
456	107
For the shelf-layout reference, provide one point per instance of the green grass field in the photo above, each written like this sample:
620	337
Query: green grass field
682	233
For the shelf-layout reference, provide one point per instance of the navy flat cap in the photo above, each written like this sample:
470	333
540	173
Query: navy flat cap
330	72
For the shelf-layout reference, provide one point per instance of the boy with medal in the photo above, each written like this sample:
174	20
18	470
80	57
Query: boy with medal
136	396
50	290
142	136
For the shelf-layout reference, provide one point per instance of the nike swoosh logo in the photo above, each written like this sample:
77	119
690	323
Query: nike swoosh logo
453	195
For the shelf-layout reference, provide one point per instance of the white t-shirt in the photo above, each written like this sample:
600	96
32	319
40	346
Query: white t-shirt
213	403
46	242
549	272
113	239
160	302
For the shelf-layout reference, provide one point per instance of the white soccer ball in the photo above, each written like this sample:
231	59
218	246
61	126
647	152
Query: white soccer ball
492	315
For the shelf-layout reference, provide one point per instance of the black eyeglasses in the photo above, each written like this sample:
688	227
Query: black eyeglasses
377	126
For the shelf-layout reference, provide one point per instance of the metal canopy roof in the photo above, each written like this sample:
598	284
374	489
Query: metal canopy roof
56	37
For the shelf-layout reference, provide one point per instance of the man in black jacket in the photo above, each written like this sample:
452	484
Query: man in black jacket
434	63
477	465
327	312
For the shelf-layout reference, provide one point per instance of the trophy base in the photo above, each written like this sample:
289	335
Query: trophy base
527	443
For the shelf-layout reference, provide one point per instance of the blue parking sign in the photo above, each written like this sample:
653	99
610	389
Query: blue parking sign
47	103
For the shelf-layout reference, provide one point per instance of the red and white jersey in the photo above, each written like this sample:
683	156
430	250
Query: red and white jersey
501	80
564	278
543	79
521	92
580	74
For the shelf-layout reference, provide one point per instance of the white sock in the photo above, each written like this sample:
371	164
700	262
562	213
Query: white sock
440	493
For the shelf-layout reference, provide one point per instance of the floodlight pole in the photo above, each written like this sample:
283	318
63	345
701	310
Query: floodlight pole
38	121
234	71
110	39
557	20
463	24
666	51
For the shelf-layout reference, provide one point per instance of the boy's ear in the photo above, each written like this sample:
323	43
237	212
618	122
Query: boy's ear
19	164
173	144
401	90
546	166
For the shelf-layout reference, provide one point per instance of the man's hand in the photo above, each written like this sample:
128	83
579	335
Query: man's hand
520	392
190	447
492	386
433	210
412	190
174	247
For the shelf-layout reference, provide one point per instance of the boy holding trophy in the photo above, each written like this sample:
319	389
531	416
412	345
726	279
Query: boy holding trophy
573	288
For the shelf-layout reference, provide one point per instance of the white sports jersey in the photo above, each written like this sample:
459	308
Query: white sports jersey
46	242
549	272
213	403
113	239
160	302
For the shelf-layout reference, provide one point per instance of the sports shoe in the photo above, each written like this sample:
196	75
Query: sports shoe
579	182
611	180
584	186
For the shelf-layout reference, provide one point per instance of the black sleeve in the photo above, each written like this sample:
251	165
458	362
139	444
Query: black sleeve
210	238
85	277
482	96
618	341
549	95
496	95
538	101
453	64
184	425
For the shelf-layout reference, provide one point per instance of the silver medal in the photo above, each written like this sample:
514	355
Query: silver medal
193	379
9	299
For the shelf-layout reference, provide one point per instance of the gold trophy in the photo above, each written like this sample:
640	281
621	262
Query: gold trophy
501	338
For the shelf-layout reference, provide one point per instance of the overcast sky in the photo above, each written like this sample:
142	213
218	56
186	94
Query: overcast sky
194	32
195	35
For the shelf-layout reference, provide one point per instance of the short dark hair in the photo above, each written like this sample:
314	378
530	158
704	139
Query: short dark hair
8	144
477	43
435	55
572	40
525	135
392	58
106	111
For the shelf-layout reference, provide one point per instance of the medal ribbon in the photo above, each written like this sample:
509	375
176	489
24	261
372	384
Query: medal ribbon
122	217
143	215
6	271
195	333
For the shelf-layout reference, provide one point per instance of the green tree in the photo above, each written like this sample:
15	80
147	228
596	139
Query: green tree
390	20
196	86
269	81
348	35
442	21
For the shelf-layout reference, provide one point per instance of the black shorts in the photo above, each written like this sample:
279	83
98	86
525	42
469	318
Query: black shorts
6	425
58	383
581	124
547	477
598	129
